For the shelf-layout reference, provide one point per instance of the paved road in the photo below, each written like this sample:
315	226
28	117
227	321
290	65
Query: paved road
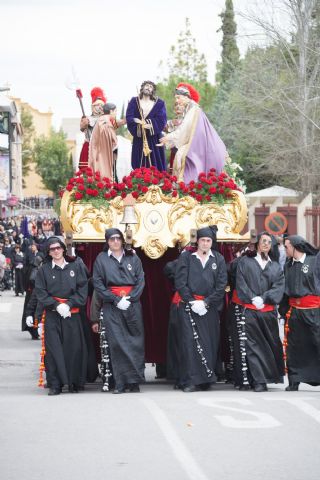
158	434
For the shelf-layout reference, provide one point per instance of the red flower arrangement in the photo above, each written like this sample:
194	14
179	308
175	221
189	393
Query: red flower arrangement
88	186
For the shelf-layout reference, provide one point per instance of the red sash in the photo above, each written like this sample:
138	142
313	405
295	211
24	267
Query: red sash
64	300
176	299
309	301
236	299
121	291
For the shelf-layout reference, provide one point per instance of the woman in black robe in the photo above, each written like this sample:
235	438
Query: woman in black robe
200	281
118	279
302	304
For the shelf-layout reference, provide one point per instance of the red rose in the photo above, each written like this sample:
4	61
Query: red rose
199	186
90	180
78	196
174	193
135	194
95	192
113	193
81	187
69	187
198	197
221	190
212	190
72	180
89	171
100	185
61	193
208	198
155	181
144	189
123	194
121	186
107	195
147	178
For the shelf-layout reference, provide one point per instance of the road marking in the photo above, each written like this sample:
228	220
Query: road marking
261	419
301	404
181	452
5	307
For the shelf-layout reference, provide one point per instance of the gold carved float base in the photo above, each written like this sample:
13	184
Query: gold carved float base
163	221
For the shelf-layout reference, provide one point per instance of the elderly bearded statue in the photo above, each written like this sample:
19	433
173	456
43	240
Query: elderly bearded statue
146	118
199	147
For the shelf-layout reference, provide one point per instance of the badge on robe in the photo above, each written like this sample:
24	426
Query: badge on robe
305	268
214	266
129	266
71	273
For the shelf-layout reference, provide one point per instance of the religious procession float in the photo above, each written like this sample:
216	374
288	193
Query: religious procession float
159	209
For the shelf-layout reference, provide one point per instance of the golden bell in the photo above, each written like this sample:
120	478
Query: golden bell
129	215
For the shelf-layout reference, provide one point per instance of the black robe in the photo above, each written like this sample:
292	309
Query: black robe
264	353
66	351
124	329
173	327
210	282
234	367
303	350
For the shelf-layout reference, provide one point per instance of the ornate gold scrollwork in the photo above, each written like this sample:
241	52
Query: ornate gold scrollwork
153	247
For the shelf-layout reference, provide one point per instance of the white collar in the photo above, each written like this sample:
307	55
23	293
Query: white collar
60	266
210	254
301	260
110	253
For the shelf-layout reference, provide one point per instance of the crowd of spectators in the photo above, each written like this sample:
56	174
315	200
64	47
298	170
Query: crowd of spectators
21	239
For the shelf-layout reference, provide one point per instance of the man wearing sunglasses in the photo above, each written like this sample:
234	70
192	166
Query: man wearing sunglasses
259	289
119	281
61	288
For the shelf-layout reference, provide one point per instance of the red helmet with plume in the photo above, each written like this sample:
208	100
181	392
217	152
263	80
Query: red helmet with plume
193	93
98	94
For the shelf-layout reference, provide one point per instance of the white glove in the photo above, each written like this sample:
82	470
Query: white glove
124	303
40	329
64	310
198	306
258	302
29	321
202	312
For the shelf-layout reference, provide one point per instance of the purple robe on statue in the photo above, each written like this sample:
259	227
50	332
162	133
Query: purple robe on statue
157	118
199	146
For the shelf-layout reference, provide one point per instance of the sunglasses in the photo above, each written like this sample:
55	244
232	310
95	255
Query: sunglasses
52	249
113	239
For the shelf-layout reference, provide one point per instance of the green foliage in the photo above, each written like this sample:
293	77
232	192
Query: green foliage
184	59
53	161
27	143
230	52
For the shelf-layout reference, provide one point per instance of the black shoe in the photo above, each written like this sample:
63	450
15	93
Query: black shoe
73	388
204	386
119	390
177	386
293	387
54	391
134	388
260	387
189	389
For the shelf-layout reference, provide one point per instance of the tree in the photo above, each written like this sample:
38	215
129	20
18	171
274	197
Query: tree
53	160
185	64
272	111
27	143
230	52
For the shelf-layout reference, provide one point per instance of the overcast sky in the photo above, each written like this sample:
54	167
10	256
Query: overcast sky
112	44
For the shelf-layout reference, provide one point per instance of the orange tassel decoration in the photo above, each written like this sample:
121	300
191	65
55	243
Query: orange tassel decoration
43	352
285	339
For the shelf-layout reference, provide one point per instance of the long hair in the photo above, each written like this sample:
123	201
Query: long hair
153	95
